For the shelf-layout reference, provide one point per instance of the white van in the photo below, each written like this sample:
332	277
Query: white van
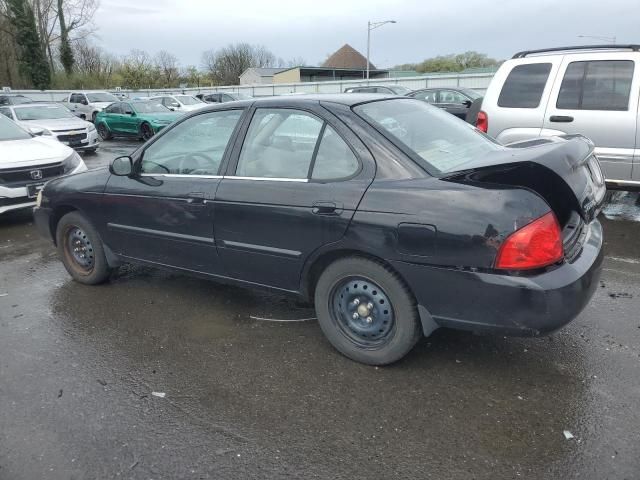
591	90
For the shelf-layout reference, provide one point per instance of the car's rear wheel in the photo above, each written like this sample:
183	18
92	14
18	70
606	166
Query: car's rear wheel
81	250
146	132
104	132
366	311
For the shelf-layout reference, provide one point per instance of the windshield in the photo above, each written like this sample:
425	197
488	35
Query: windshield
11	131
43	112
472	94
441	142
151	106
101	97
187	100
400	90
16	100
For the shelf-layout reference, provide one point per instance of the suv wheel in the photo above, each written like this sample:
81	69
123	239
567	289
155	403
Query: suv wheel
366	311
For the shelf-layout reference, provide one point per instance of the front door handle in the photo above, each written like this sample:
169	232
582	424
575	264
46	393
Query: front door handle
196	198
561	118
326	208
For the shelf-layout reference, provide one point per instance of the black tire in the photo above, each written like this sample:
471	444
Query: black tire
146	132
74	231
385	330
104	132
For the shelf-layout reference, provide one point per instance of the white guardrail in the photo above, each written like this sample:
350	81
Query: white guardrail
475	81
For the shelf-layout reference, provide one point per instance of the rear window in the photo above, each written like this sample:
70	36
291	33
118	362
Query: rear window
596	85
437	140
524	86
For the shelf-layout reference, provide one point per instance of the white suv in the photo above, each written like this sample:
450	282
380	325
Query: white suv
591	90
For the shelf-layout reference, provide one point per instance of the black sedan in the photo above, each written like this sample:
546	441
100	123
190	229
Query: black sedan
456	101
389	214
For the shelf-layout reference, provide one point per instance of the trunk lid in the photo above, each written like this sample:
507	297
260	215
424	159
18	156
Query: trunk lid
563	170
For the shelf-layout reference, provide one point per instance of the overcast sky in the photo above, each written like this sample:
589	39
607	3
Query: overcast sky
314	29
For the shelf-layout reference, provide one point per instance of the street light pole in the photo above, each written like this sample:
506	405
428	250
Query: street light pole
600	37
372	26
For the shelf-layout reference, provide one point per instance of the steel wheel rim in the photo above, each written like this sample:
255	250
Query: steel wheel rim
362	311
79	249
102	130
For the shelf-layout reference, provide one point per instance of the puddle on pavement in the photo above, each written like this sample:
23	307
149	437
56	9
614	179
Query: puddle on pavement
623	206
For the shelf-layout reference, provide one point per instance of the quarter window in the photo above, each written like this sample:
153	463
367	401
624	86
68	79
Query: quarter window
524	86
334	159
596	85
193	147
6	112
280	143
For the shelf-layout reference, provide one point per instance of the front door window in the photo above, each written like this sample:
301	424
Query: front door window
193	147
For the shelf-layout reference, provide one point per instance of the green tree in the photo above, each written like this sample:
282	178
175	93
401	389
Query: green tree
451	63
32	60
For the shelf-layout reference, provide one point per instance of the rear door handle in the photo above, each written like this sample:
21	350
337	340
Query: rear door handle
326	208
196	198
561	118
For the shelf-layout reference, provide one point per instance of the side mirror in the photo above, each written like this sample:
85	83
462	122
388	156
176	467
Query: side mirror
467	103
130	112
122	166
84	102
36	131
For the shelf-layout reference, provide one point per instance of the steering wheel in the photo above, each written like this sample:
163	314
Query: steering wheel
156	164
201	161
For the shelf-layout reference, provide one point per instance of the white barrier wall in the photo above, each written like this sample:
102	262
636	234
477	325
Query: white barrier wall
476	81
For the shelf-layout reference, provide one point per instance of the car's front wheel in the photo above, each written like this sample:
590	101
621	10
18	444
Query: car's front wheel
366	311
81	249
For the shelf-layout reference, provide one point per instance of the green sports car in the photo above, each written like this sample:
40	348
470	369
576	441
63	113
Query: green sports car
140	118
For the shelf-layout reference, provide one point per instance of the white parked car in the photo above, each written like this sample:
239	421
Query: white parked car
86	105
27	161
182	103
55	120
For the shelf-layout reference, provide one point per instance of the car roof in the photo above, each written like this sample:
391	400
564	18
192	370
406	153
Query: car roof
36	104
348	99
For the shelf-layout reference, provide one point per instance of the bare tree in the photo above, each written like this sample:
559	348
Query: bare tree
224	66
168	66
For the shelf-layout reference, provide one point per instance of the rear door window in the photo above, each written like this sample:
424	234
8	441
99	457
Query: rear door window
524	86
280	143
596	85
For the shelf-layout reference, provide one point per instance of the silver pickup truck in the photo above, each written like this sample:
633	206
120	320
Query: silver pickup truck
86	105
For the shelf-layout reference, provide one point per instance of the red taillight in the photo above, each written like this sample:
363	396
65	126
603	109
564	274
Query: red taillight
535	245
482	122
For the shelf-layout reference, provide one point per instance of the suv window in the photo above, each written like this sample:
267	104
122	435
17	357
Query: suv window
334	159
596	85
524	86
279	144
193	147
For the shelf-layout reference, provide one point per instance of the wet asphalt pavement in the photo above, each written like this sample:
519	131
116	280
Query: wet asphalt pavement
247	398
